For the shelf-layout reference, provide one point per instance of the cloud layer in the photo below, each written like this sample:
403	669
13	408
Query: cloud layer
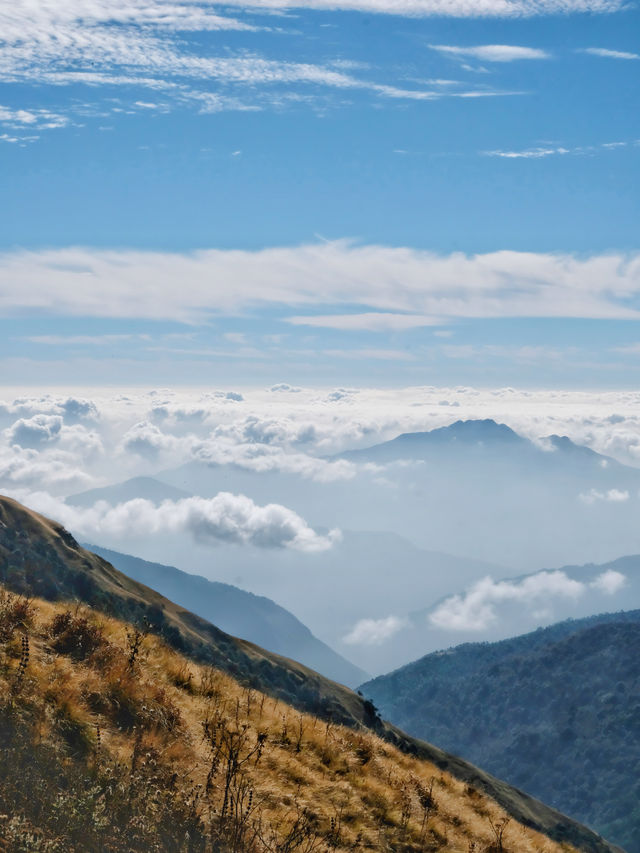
97	283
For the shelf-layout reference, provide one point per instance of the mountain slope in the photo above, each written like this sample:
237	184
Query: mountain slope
243	614
555	712
111	741
39	557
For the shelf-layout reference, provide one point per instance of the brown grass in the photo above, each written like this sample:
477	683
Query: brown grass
241	770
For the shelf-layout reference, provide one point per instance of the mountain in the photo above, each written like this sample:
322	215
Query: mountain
475	488
38	557
555	712
461	436
109	740
147	488
243	614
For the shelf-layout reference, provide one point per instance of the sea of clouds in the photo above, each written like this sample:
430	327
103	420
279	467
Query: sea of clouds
56	443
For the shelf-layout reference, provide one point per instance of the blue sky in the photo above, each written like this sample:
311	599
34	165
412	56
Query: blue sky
369	192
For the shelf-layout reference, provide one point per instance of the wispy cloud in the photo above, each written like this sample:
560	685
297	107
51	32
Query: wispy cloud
610	496
540	152
610	54
147	45
446	8
491	52
25	125
31	118
527	153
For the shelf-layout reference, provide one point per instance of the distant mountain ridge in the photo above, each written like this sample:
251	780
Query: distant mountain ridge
147	488
473	435
240	613
556	712
461	433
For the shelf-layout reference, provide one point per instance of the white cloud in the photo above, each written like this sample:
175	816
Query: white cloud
71	408
147	440
527	154
26	469
542	152
610	496
609	582
262	458
492	52
33	119
611	54
225	518
375	632
477	608
254	429
284	386
135	284
35	431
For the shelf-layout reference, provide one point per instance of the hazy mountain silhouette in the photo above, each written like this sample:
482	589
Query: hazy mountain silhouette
137	487
243	614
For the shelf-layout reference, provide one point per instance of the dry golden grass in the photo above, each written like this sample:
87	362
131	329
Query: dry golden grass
260	775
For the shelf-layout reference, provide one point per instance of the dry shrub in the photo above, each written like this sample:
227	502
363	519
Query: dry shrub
75	635
16	614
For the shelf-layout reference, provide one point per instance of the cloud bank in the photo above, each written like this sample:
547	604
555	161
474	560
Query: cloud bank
116	284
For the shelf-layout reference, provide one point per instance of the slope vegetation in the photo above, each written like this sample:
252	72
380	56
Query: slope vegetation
555	712
38	557
110	740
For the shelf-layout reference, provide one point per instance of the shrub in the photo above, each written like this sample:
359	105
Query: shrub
75	635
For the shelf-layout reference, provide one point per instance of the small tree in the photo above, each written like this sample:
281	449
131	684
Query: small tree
499	828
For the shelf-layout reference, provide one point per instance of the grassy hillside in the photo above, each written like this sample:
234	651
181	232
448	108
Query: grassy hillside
555	712
38	557
111	740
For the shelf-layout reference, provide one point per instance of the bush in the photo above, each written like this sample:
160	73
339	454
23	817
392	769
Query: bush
75	635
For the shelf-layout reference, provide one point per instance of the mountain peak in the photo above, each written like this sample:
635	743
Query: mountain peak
463	433
477	430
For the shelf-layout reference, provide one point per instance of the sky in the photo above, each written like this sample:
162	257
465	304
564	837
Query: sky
368	192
